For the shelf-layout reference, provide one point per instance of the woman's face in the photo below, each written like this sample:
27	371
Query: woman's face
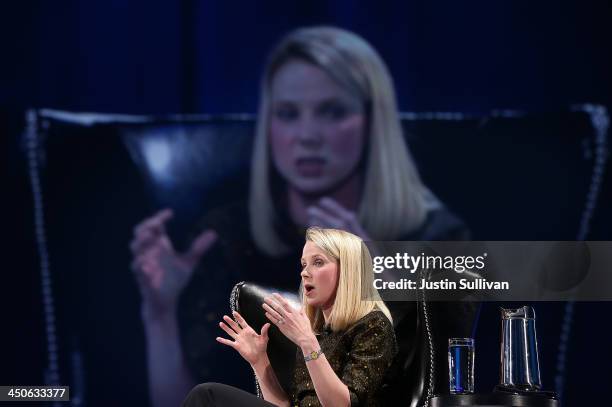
319	276
317	128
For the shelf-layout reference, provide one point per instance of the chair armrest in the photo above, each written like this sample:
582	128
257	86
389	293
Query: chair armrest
247	298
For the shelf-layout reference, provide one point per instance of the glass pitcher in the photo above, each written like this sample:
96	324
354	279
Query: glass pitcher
519	366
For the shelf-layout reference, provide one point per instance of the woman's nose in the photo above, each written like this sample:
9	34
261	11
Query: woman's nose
309	133
304	273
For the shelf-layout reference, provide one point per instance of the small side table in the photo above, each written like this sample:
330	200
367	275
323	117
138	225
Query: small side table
493	400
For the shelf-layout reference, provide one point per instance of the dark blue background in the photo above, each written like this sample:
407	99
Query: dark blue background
156	57
207	56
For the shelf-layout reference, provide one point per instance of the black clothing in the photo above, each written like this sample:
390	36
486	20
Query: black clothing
360	357
222	395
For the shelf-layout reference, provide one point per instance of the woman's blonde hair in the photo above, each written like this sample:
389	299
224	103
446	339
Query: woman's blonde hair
356	295
393	203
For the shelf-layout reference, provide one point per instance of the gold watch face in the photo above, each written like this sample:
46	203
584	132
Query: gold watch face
314	354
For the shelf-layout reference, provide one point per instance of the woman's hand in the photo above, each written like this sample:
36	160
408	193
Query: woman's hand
293	323
328	213
251	345
161	272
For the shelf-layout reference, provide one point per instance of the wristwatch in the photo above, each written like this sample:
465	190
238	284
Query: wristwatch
313	355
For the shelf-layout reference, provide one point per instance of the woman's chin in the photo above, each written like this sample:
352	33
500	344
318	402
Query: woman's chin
312	301
312	185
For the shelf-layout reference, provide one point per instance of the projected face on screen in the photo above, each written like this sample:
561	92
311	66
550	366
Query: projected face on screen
317	128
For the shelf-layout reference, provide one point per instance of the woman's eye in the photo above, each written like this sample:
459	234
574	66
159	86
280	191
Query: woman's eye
333	111
318	263
286	113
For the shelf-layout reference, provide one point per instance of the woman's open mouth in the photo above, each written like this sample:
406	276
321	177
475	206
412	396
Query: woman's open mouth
308	288
310	166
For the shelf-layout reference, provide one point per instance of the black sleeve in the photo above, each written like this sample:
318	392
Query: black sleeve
372	352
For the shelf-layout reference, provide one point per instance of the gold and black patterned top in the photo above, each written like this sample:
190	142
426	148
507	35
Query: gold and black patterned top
360	356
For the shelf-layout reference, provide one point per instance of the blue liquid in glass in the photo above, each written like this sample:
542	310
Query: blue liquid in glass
461	368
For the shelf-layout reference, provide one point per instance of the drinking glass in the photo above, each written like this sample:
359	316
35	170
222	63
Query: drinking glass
461	365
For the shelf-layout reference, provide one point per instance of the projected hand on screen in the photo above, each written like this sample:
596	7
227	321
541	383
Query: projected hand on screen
328	213
160	270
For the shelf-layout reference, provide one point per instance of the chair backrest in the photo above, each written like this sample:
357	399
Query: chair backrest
509	176
525	171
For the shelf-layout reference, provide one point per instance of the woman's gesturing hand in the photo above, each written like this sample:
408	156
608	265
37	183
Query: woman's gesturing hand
251	345
160	270
293	323
328	213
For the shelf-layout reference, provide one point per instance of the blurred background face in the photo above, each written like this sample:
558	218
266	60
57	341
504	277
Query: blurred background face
317	128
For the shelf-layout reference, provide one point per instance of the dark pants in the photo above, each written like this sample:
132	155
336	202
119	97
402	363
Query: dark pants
222	395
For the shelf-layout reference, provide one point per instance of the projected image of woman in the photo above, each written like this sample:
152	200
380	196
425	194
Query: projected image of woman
329	151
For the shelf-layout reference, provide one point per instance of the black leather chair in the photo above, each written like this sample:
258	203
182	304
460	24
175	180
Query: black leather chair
122	168
422	329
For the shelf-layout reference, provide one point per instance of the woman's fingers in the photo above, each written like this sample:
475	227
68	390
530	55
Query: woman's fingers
335	209
200	245
283	302
241	321
232	324
228	330
274	316
226	342
321	218
275	304
155	223
264	330
147	232
142	242
274	319
329	213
